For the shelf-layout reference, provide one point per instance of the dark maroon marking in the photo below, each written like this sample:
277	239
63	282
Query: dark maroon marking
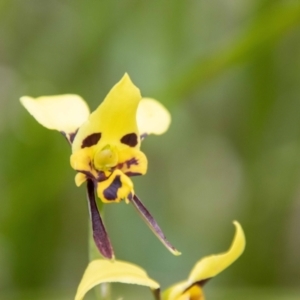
132	161
111	193
72	136
69	136
130	139
88	174
99	233
130	174
128	163
150	221
101	176
91	140
118	166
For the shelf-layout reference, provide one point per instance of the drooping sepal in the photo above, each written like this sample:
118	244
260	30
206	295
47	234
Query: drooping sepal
150	221
99	232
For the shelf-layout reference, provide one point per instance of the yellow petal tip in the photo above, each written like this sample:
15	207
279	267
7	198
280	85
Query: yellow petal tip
115	116
239	237
79	179
126	79
113	259
176	253
152	117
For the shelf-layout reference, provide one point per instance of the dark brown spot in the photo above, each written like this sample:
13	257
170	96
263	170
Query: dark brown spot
91	140
130	174
128	163
111	193
130	139
101	176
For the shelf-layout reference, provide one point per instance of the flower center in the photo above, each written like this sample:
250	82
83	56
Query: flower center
106	158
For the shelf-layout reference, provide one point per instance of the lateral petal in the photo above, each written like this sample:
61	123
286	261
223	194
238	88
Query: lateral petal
152	117
65	113
103	271
150	221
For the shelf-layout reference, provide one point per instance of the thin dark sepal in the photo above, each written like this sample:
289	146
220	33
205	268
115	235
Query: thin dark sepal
99	233
150	221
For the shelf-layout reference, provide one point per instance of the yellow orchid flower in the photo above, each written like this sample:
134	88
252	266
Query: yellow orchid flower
106	146
101	271
205	269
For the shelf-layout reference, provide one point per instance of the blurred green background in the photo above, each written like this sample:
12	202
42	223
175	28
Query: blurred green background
229	73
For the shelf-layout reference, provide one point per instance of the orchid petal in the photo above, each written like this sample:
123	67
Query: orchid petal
207	268
103	271
132	162
65	113
99	233
150	221
152	117
114	119
211	266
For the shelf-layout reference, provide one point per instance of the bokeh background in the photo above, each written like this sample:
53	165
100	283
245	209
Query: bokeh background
229	73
